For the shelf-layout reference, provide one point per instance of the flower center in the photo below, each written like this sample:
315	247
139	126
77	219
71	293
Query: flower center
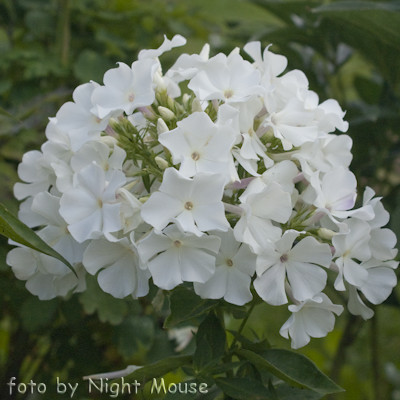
188	205
177	243
284	258
229	262
195	156
100	203
131	97
228	93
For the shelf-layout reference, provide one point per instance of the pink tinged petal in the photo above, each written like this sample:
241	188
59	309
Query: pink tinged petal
210	216
271	285
196	265
310	250
238	287
165	269
88	228
306	280
160	209
215	287
354	273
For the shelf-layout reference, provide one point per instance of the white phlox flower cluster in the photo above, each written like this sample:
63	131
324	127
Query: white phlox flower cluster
239	186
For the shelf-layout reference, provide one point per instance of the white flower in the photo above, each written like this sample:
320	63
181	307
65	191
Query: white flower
236	265
255	226
200	146
187	202
121	275
381	280
299	263
174	257
350	246
312	318
90	208
78	119
126	88
292	125
232	81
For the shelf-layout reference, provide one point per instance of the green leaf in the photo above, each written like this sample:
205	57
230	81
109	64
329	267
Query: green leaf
184	305
222	368
378	18
109	309
243	388
134	332
12	228
159	368
212	329
203	355
285	392
293	368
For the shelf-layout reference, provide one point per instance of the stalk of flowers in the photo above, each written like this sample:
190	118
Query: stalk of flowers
239	182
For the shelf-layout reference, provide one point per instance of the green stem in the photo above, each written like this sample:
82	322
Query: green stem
239	331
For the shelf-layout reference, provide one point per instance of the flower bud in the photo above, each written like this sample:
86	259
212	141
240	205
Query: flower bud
159	81
185	99
167	114
170	102
162	164
327	234
196	106
109	141
161	126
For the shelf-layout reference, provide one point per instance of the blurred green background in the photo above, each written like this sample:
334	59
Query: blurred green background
349	51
